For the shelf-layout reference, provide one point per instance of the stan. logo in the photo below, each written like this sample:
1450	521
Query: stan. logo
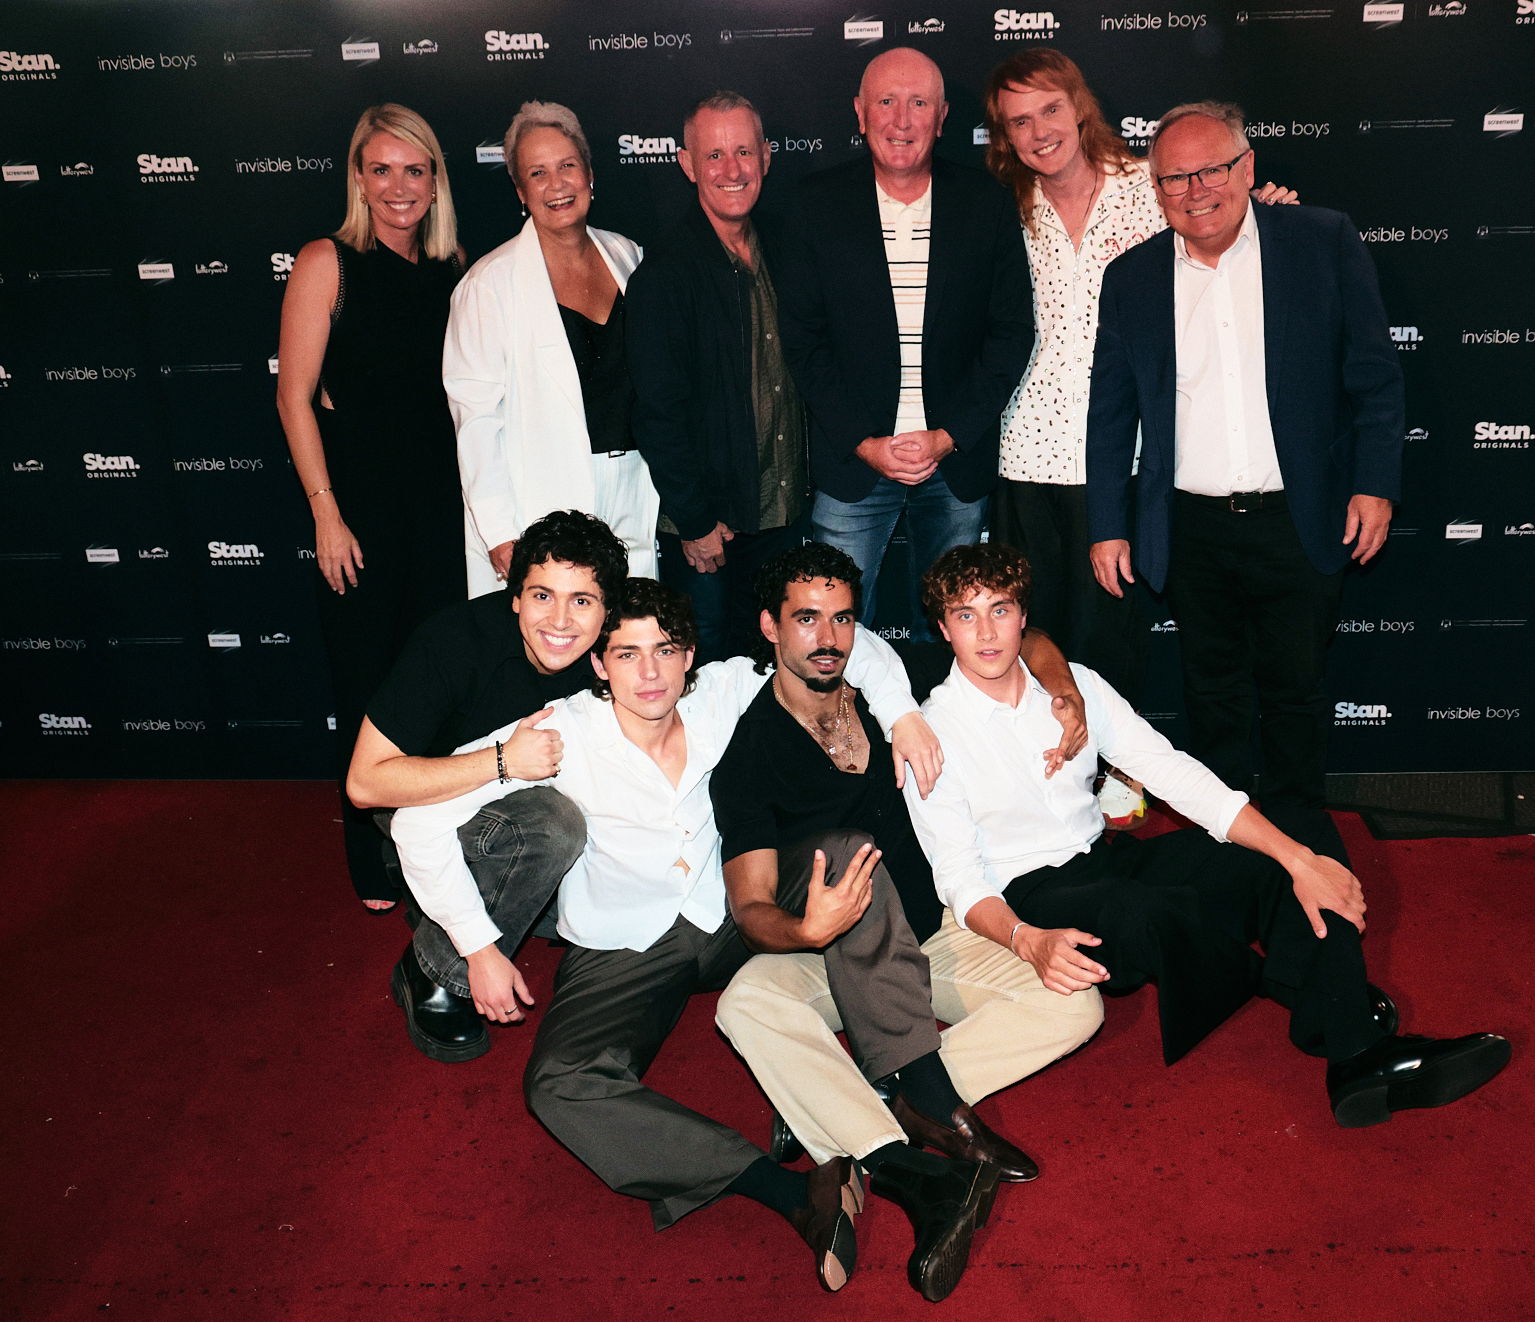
1501	436
1354	713
633	149
1023	25
110	465
51	724
166	169
282	265
515	45
1406	337
234	554
15	67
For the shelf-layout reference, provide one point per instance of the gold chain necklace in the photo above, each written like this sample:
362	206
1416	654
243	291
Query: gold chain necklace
839	744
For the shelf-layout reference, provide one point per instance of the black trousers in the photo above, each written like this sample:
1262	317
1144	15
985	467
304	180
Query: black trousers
1048	523
1182	909
1254	621
613	1009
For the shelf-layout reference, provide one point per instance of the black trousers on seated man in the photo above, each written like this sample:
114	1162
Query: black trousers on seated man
613	1009
1181	910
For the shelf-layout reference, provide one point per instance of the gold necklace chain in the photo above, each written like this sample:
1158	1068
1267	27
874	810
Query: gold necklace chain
840	743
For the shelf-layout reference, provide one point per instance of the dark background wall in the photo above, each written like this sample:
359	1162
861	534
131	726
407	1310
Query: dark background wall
162	161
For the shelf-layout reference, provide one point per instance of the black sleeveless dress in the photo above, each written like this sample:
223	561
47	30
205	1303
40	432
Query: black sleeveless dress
393	462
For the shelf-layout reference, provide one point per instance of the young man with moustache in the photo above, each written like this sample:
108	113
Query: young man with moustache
476	666
907	321
717	415
1025	862
802	774
644	910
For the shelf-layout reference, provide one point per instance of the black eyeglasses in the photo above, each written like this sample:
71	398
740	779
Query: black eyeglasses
1212	176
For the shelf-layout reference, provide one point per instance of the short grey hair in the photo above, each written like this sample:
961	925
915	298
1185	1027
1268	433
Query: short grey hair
544	115
1222	112
722	102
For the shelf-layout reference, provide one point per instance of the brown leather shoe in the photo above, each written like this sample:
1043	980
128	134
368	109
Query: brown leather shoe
825	1225
966	1136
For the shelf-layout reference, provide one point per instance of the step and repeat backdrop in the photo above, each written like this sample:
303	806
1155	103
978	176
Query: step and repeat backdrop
164	161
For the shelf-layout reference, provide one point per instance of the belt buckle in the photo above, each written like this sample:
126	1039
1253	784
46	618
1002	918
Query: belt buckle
1238	502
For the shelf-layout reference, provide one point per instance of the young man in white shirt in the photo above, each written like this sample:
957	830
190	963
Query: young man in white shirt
1020	856
644	910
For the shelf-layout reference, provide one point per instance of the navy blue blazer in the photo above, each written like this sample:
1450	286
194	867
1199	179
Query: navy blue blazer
837	316
1335	395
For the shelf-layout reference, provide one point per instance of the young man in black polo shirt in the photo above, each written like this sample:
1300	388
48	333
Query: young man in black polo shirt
799	766
475	667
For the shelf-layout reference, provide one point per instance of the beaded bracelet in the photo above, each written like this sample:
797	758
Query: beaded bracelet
500	764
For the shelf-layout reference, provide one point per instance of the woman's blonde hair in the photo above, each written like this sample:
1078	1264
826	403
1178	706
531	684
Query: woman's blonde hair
438	236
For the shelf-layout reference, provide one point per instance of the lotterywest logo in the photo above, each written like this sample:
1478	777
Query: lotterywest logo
1147	21
284	164
282	265
1525	529
134	63
79	170
426	46
48	723
1023	25
17	67
110	465
1501	436
1164	626
19	172
1354	713
154	553
927	27
635	149
501	45
102	373
1412	234
26	466
1406	337
1448	9
278	639
215	267
213	464
652	40
234	555
1417	433
167	169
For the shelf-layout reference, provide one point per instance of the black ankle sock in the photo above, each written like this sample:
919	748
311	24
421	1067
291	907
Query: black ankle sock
770	1184
929	1163
926	1085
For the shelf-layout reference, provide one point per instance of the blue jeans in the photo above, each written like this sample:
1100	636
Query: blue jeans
519	849
935	518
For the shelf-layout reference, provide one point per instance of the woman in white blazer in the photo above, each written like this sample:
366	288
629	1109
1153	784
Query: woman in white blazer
534	364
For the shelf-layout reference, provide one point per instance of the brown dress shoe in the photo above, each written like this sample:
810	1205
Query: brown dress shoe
824	1224
966	1136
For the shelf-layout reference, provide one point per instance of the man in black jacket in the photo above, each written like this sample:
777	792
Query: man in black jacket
717	415
908	321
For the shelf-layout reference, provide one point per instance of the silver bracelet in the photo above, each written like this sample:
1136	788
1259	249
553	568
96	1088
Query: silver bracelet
1014	933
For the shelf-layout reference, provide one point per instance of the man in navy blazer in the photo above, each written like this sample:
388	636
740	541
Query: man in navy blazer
1250	347
907	320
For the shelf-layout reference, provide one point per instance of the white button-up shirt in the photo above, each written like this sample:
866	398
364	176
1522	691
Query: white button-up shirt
993	815
626	890
1225	442
1044	426
907	228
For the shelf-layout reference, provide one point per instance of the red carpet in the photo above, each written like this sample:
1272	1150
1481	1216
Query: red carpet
212	1112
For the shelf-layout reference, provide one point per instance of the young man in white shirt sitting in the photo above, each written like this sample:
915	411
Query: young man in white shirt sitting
1020	856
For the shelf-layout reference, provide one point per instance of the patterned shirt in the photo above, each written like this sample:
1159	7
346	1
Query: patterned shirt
1044	426
907	228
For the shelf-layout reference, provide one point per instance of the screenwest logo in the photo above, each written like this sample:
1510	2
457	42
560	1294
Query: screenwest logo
17	172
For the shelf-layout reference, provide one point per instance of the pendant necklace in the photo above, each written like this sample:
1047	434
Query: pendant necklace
838	745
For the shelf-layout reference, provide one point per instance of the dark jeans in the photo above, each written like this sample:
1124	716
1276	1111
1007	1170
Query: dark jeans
519	849
613	1009
1253	614
724	603
1181	910
1048	523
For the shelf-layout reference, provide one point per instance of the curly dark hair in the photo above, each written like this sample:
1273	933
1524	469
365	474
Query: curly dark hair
571	537
800	564
963	570
645	599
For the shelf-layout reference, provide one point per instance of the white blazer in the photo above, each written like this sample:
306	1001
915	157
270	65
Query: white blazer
523	450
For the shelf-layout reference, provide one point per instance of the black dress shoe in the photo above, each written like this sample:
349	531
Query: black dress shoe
783	1147
1400	1073
824	1224
944	1210
442	1025
966	1136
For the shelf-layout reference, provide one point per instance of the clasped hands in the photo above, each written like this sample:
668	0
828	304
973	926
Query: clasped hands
908	457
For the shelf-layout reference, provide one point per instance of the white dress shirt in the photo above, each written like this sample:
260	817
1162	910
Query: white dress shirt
994	816
907	229
1225	442
1044	426
625	891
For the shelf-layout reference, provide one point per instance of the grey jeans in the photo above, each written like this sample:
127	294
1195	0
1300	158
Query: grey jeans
519	848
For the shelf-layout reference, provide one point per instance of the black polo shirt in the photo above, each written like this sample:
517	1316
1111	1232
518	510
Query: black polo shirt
464	673
775	786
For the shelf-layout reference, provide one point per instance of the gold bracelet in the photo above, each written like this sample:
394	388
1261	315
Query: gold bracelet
320	492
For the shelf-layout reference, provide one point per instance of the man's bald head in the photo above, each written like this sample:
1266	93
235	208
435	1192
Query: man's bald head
900	110
908	62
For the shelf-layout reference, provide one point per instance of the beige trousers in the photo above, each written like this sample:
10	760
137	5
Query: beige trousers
1005	1024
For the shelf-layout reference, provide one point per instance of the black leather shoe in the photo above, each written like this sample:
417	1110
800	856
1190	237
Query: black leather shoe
944	1210
1400	1073
783	1147
442	1025
966	1136
825	1225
